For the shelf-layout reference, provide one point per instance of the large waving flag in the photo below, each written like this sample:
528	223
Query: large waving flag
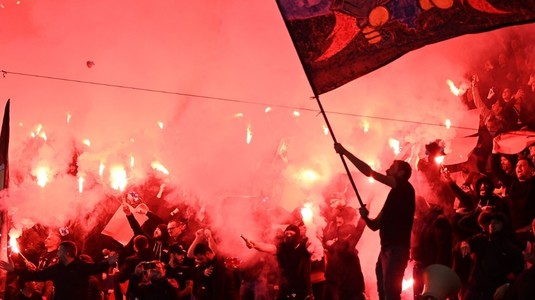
4	179
4	147
341	40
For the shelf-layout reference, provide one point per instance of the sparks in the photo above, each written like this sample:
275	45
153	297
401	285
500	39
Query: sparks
160	124
249	134
118	178
447	123
296	113
68	118
159	167
86	142
325	129
238	115
132	161
268	109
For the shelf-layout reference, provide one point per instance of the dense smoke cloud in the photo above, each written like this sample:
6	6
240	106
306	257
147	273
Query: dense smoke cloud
221	50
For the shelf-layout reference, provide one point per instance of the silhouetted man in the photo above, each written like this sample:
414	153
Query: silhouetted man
394	223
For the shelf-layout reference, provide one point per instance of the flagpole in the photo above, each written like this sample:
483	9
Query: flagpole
331	132
317	97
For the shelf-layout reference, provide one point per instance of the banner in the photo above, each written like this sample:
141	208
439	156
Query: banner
4	180
513	142
340	40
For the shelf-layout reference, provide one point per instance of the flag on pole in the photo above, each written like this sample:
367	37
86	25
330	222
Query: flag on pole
513	142
4	147
4	180
340	40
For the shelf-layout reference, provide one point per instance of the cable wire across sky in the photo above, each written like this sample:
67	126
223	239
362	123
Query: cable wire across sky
225	99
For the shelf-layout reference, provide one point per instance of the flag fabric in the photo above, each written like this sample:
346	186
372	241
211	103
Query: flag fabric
118	227
513	142
4	179
340	40
4	147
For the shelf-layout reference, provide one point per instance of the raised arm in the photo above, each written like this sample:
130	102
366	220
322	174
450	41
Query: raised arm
364	168
260	246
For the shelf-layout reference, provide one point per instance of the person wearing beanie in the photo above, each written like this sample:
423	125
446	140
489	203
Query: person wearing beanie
294	262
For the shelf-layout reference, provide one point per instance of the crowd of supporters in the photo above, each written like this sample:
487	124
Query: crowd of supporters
477	218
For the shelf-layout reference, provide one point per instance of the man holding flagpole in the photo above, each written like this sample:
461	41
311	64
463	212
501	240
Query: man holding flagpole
394	223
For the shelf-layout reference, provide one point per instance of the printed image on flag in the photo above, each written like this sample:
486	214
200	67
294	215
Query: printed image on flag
341	40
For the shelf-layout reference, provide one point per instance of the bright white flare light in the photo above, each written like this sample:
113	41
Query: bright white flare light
118	178
447	123
394	144
249	134
308	177
307	213
101	168
439	159
407	284
365	126
41	174
13	236
80	184
159	167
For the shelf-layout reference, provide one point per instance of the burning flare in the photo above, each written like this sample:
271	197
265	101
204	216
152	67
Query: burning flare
307	213
118	178
159	167
365	126
14	234
457	91
101	168
447	123
80	184
41	174
249	134
394	144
